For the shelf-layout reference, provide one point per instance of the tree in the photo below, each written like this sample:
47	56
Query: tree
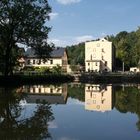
13	123
23	21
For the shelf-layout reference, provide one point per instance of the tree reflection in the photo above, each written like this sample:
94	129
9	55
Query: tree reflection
14	127
128	100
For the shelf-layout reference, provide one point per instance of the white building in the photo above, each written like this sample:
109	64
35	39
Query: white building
57	57
134	69
99	97
99	56
44	93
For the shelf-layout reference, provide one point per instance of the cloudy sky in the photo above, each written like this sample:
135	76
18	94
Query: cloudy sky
74	21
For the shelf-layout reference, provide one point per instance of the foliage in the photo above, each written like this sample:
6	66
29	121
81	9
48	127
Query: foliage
22	22
43	70
127	46
128	100
56	69
76	54
14	125
77	92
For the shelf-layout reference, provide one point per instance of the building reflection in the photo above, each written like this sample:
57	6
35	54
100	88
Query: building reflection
99	97
46	93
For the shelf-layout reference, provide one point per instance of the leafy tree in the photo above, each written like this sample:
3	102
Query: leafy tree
76	54
22	21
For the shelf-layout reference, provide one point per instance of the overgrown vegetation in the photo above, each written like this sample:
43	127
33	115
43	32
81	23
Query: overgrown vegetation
22	22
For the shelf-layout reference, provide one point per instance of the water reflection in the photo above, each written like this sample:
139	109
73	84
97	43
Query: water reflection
12	123
46	93
99	97
42	99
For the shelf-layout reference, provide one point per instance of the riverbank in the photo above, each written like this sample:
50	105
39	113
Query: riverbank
109	78
35	79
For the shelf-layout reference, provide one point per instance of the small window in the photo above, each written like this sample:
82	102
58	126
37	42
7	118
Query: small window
88	64
51	61
105	63
94	95
91	57
28	62
102	50
51	90
94	55
33	89
98	107
96	64
90	94
33	61
102	57
39	62
39	90
94	101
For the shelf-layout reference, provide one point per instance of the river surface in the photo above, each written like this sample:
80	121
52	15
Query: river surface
70	112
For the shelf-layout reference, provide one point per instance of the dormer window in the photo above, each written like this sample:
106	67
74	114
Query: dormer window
51	61
39	62
33	61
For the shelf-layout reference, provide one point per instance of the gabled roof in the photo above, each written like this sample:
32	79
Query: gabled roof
57	53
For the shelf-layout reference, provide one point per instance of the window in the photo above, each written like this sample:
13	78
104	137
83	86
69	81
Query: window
94	101
28	62
102	50
33	61
90	94
105	63
51	61
39	62
51	90
94	95
102	57
33	89
91	57
94	55
39	90
96	64
88	64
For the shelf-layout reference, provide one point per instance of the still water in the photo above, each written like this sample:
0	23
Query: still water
70	112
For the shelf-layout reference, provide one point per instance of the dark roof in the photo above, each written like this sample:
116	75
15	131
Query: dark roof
57	99
57	52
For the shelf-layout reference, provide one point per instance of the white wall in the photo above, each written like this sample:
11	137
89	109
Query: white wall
56	61
98	52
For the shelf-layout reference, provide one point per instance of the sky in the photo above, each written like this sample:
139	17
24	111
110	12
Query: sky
75	21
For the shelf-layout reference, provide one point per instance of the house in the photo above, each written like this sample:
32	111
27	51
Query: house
99	56
44	93
134	69
57	57
99	97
